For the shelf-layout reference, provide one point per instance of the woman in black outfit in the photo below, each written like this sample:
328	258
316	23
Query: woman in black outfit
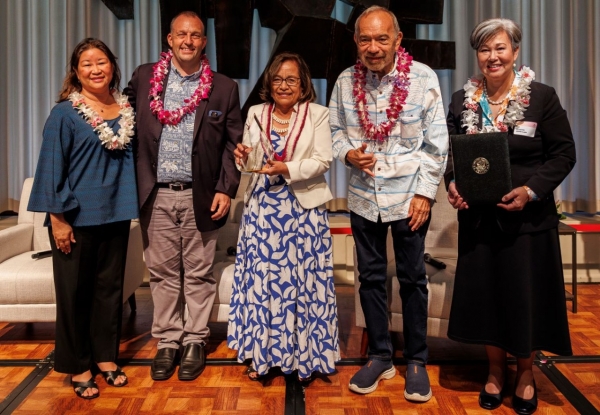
509	288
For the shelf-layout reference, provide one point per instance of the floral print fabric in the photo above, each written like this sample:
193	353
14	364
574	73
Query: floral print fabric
283	309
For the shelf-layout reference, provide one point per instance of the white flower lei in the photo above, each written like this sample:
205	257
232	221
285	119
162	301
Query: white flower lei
105	133
518	102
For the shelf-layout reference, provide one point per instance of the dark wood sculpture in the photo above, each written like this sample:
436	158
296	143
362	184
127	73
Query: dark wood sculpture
304	27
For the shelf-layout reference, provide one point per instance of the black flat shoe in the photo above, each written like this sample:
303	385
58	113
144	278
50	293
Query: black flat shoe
525	406
111	376
192	362
163	364
253	374
489	401
81	387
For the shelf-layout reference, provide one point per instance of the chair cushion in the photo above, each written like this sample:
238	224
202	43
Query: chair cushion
27	281
223	273
440	285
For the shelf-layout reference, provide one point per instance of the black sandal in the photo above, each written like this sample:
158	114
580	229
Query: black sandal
110	376
253	374
81	387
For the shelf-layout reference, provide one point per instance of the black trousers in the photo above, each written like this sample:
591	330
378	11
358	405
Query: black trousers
370	239
89	296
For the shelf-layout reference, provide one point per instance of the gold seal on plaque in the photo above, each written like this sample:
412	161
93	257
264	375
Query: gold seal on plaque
481	165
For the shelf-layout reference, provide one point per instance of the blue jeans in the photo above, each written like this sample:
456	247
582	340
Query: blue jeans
370	240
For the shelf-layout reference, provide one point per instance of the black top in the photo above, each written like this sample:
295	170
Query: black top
541	162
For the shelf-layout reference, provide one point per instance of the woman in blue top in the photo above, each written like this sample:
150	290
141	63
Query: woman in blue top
85	180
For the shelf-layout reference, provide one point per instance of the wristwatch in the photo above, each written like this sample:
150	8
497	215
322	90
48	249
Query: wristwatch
531	194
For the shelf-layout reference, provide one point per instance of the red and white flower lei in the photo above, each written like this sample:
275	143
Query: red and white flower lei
397	99
294	132
518	99
161	69
105	133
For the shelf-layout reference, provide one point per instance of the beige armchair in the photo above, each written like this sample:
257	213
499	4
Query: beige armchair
27	293
441	243
225	256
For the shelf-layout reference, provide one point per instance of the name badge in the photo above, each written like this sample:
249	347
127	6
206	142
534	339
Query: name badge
526	128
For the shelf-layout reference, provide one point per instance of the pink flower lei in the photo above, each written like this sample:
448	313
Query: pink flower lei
397	99
160	71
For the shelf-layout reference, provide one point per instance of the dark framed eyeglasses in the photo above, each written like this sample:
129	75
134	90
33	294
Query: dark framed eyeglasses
290	80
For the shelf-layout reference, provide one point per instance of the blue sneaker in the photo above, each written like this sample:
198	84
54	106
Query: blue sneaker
417	388
367	378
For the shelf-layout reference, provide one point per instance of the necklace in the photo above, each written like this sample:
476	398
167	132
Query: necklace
397	99
295	130
160	71
279	130
97	104
516	102
105	133
279	120
488	96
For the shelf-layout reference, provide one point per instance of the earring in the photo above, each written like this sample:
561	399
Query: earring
514	65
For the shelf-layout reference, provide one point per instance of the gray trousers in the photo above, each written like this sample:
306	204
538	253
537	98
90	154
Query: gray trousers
171	243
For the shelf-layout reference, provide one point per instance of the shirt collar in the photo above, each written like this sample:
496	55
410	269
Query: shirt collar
191	77
386	79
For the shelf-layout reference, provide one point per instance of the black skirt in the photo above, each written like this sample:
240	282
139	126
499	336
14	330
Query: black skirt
509	291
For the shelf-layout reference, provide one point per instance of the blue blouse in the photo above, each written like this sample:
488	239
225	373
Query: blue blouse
77	176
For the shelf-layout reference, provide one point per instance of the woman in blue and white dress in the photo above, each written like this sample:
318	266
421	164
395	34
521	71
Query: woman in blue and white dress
283	309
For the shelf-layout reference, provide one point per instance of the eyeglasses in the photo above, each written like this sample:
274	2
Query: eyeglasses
290	80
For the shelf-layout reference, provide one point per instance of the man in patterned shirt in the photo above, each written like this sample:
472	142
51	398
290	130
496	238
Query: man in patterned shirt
188	124
388	126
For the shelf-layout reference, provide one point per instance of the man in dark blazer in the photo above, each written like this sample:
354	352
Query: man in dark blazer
188	124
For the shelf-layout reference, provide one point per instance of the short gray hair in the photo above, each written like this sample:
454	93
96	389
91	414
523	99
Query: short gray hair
489	28
374	9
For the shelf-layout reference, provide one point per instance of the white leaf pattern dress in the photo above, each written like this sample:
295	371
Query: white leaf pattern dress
283	309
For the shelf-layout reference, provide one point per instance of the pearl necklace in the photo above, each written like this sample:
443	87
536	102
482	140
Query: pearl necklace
279	120
279	130
488	96
518	98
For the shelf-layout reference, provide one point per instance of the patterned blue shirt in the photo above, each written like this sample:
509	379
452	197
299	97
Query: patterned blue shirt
175	151
411	161
77	176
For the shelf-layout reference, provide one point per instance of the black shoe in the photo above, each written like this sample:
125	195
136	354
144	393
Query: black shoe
525	406
489	401
164	364
192	362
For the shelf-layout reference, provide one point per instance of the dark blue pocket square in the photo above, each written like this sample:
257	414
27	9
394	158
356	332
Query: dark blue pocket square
214	114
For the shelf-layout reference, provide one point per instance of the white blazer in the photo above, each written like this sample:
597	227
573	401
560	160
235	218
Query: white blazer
312	156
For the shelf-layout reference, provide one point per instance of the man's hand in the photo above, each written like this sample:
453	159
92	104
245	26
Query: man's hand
62	232
418	212
361	160
220	204
455	199
515	200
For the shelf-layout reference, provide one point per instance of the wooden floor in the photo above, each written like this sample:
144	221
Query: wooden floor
456	372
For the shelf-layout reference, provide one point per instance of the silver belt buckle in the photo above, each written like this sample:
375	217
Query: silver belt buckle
177	186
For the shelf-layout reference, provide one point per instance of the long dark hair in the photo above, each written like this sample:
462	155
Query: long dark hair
71	83
308	90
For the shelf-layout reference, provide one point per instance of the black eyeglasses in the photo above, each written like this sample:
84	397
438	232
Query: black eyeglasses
290	80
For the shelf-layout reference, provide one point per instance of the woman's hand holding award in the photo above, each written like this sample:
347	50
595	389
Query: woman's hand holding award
254	158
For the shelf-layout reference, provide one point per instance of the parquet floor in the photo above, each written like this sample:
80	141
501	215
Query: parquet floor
456	372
